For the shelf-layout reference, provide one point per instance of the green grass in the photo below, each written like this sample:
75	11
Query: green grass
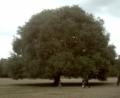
71	89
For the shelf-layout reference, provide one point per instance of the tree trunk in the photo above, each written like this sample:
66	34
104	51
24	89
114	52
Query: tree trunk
57	80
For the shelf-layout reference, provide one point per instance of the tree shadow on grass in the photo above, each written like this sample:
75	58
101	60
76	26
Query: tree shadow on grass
91	84
35	84
66	84
102	84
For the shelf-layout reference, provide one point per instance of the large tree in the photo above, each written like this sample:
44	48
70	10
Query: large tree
65	41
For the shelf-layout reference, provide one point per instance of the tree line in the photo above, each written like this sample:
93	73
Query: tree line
66	41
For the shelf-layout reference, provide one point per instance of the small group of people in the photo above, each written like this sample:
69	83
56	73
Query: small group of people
85	83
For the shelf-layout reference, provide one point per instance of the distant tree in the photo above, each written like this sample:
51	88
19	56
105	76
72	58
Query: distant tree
3	68
117	65
15	66
64	42
113	66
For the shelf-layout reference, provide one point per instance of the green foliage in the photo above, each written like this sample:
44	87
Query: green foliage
65	41
17	46
16	67
116	67
87	66
3	68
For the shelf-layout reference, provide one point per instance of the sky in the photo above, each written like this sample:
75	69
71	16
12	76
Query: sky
14	13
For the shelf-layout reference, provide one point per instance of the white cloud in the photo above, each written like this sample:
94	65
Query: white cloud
112	25
5	46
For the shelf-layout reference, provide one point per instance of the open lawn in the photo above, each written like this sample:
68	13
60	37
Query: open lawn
71	89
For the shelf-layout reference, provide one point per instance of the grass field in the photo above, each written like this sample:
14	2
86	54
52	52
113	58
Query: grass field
71	89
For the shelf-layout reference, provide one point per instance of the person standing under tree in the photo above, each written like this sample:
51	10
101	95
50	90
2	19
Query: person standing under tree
85	83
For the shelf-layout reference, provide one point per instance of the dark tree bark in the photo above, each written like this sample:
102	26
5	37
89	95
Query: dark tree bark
57	80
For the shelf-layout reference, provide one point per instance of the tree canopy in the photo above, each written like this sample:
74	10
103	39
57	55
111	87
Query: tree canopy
66	41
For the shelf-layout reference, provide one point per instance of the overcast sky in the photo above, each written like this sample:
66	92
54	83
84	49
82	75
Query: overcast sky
14	13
